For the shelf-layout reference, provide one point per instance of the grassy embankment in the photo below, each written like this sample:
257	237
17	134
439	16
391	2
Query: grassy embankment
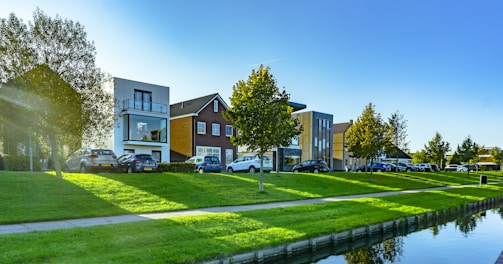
39	196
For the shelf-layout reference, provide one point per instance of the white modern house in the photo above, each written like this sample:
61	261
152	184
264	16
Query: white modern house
141	118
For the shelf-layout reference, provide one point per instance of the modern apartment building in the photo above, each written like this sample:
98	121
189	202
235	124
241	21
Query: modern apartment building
141	118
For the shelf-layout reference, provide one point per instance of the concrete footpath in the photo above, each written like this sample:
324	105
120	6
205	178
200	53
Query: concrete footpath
106	220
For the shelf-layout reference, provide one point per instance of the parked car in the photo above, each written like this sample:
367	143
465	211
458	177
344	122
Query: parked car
249	163
313	166
451	167
434	167
91	160
205	163
376	167
407	167
424	167
131	162
471	167
462	169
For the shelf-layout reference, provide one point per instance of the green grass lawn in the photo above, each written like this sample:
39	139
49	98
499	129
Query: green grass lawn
198	238
27	197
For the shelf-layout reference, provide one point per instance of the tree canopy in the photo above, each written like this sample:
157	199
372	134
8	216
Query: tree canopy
497	155
436	150
366	137
396	135
61	45
42	105
262	115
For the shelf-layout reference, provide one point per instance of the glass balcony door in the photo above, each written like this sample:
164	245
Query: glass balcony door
142	100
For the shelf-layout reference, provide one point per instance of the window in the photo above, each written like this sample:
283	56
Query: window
229	156
208	151
201	128
215	129
228	130
215	106
142	100
156	155
145	128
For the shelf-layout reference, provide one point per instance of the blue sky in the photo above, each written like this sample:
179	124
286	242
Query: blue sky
439	63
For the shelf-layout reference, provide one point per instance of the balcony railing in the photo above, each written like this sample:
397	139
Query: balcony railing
130	104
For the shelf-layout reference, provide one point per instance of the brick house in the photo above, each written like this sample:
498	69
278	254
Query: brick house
199	128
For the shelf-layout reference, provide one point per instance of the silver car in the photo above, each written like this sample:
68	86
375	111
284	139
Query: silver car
91	160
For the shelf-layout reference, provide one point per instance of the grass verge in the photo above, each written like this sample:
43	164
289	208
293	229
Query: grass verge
192	239
28	197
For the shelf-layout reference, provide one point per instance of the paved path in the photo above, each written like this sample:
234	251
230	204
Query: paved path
96	221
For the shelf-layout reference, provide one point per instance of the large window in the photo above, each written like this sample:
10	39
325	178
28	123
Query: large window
142	100
208	151
145	128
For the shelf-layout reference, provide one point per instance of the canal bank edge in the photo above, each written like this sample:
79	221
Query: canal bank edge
363	236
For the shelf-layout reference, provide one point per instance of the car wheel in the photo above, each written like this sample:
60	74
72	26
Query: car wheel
83	168
230	170
252	169
358	170
201	170
408	170
316	171
295	171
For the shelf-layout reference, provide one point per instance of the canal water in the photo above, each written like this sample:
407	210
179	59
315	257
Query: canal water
474	238
471	233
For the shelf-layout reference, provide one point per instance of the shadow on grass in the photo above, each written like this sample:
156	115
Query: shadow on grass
28	197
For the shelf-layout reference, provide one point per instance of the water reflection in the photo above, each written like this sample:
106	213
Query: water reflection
388	251
391	250
399	241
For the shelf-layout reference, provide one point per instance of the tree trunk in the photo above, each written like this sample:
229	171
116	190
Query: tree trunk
371	169
55	156
261	186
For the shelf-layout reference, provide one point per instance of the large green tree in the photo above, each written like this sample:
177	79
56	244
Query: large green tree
366	137
262	115
61	45
436	150
396	135
467	151
43	106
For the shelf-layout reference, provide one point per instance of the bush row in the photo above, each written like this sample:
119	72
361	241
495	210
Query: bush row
20	163
175	167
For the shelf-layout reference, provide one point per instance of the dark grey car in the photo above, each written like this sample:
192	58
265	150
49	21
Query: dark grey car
131	162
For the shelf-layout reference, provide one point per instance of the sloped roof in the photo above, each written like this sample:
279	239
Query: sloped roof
401	154
194	106
341	127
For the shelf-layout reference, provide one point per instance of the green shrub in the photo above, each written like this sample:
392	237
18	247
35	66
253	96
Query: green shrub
21	163
176	167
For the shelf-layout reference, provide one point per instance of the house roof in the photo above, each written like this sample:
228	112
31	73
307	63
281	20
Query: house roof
194	106
296	106
341	127
401	154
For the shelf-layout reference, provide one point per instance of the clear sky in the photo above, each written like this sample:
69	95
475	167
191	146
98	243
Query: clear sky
439	63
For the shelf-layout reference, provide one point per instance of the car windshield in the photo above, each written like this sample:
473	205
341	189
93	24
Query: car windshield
144	157
102	152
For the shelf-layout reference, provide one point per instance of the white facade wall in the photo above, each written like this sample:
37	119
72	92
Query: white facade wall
125	90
